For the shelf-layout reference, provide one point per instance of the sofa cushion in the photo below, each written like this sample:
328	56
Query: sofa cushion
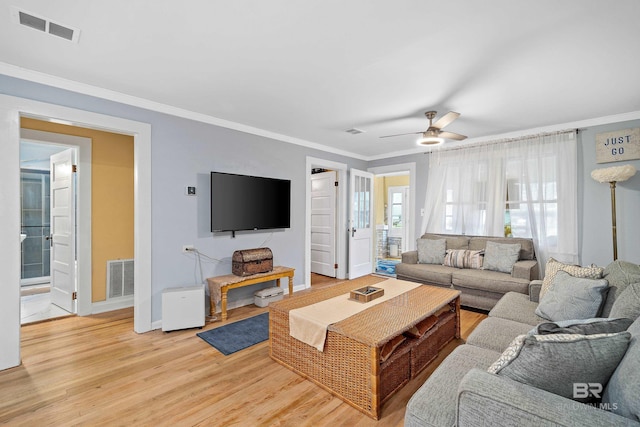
488	280
496	334
619	274
553	266
621	394
517	307
432	274
572	298
453	241
431	251
500	256
434	404
527	251
556	362
628	303
463	258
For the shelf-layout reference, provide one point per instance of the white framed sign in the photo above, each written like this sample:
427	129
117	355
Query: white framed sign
618	145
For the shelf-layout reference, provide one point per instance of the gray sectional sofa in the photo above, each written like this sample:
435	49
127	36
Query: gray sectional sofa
480	288
462	392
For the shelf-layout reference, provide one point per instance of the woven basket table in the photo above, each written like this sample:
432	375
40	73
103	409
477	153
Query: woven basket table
350	366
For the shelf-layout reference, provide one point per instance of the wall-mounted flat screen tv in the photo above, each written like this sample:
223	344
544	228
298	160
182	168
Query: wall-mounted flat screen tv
242	202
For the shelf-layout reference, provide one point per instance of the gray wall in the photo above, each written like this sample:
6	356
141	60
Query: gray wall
184	152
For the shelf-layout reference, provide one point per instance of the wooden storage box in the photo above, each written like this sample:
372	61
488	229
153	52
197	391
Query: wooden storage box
366	294
252	261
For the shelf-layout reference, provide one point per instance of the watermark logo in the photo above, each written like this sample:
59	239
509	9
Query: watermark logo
587	390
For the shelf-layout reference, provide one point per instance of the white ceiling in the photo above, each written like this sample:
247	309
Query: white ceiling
306	71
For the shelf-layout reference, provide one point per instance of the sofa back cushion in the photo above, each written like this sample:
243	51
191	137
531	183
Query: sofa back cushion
622	391
453	241
526	245
619	274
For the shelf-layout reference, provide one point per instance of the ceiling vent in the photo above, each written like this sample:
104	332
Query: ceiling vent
354	131
45	25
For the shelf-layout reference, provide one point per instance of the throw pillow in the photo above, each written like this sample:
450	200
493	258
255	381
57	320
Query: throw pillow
572	298
422	327
500	256
431	251
596	325
553	266
463	258
558	361
627	304
388	348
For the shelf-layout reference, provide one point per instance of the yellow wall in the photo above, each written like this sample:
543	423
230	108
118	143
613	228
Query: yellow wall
381	187
111	197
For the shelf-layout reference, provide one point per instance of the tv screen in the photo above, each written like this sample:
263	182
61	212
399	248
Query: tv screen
242	202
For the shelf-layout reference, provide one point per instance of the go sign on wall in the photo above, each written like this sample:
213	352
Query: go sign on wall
618	145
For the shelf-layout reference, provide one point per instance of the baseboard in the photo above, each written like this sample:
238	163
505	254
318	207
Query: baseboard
112	304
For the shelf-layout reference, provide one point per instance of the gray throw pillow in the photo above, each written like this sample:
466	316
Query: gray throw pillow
431	251
500	256
597	325
627	304
556	362
572	298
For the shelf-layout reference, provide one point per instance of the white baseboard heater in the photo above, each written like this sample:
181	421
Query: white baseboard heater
119	278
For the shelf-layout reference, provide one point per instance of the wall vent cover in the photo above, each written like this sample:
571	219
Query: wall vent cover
119	278
45	25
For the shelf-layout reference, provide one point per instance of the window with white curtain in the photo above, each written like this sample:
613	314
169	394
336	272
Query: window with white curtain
523	188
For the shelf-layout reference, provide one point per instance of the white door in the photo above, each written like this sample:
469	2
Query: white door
323	223
62	238
361	224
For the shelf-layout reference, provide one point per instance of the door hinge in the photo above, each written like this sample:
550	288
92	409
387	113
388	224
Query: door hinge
336	183
335	265
74	168
74	295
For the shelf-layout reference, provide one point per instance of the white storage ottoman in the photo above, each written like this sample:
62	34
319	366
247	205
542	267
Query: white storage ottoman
263	297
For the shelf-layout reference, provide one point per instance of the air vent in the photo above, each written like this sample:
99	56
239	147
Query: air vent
354	131
45	25
119	278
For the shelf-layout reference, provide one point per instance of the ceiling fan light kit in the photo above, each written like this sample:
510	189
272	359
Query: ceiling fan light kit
434	135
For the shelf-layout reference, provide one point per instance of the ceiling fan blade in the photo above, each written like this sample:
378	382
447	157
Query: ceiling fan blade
451	135
445	120
401	134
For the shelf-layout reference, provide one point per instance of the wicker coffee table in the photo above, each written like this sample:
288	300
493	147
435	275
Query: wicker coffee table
350	366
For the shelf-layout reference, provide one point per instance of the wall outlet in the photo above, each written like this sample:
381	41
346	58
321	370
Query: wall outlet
188	248
190	191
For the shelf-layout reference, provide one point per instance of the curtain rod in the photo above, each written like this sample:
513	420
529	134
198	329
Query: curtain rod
505	140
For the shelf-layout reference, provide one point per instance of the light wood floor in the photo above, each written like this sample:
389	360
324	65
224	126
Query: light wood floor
96	371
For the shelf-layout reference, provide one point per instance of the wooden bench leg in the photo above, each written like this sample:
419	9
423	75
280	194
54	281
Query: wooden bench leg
224	304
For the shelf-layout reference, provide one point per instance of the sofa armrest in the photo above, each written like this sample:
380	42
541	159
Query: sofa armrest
489	399
410	257
525	269
534	290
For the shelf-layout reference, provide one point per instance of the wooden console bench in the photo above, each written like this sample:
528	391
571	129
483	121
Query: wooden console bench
220	285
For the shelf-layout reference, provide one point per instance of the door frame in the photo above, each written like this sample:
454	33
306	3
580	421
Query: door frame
399	169
341	217
11	110
82	145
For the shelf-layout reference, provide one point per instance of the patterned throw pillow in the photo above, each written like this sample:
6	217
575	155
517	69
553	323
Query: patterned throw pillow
463	258
553	266
431	251
555	362
500	256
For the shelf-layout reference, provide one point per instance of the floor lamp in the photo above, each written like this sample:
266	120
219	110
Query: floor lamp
612	175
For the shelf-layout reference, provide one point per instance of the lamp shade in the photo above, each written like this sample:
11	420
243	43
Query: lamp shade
614	173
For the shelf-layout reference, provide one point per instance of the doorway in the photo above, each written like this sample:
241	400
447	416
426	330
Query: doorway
394	213
36	302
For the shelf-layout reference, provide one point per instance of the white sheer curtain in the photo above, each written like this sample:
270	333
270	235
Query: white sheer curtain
534	179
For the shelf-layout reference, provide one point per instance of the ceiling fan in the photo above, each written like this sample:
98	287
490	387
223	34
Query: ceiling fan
435	135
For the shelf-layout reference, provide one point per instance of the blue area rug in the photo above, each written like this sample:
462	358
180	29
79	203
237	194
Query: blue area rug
238	335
